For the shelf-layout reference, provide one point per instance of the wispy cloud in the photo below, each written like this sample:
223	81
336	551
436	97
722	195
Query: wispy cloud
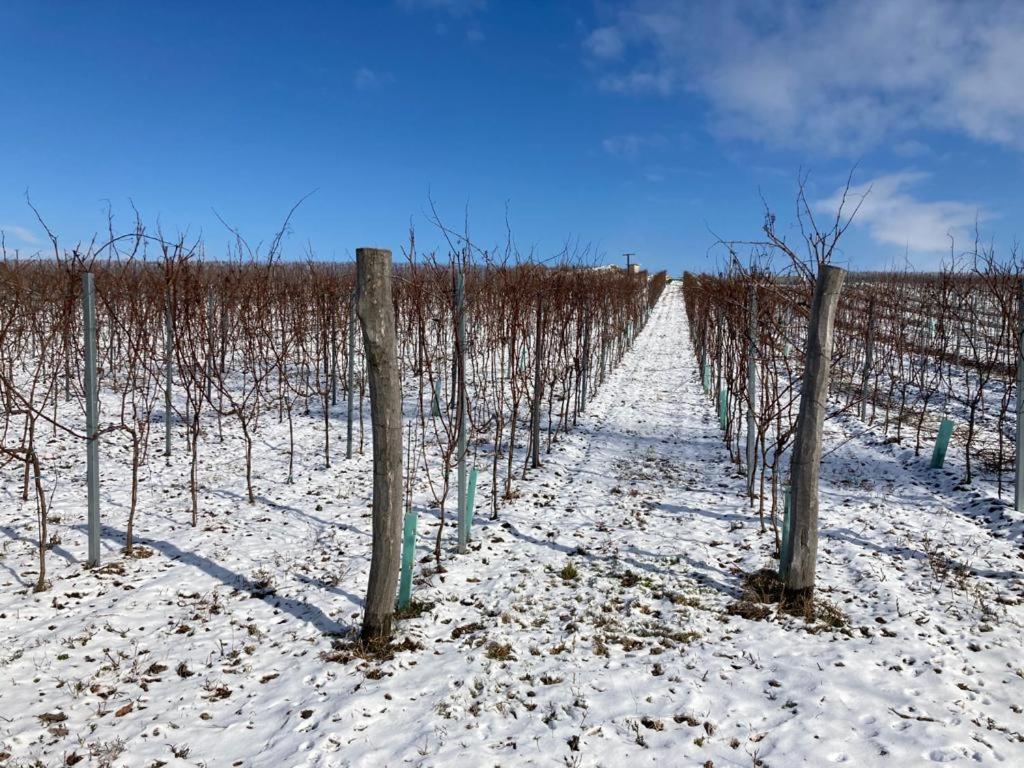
21	235
456	8
836	77
605	43
457	15
367	79
631	144
894	216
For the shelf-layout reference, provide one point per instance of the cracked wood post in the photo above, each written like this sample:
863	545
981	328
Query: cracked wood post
376	315
802	554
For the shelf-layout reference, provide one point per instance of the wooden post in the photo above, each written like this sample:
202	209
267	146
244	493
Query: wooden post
376	314
802	549
460	395
92	450
752	393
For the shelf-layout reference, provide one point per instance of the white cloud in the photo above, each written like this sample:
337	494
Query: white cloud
835	77
456	8
632	144
19	234
367	79
605	43
893	216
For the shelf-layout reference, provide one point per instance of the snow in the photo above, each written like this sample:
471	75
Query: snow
633	659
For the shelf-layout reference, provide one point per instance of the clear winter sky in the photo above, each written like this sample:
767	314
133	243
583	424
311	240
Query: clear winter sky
637	125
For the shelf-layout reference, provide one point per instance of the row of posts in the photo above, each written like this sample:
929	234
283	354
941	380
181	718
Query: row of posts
945	427
92	398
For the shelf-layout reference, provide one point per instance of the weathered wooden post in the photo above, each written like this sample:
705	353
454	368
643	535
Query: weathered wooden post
752	393
377	317
802	550
92	451
1018	493
350	383
460	395
168	362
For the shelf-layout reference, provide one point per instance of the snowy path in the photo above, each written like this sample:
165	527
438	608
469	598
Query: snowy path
635	660
587	626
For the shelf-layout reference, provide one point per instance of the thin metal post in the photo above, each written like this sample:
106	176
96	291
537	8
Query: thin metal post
168	348
869	357
752	393
334	359
586	366
210	347
460	357
1018	494
92	470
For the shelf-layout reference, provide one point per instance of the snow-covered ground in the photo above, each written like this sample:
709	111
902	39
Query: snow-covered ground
587	626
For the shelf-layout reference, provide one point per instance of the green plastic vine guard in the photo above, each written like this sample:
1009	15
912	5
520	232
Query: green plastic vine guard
942	443
787	506
408	550
723	407
470	500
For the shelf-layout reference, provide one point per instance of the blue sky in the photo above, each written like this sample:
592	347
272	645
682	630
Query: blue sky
641	125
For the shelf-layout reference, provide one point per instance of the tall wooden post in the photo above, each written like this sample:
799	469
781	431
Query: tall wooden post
460	395
92	454
802	552
376	314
